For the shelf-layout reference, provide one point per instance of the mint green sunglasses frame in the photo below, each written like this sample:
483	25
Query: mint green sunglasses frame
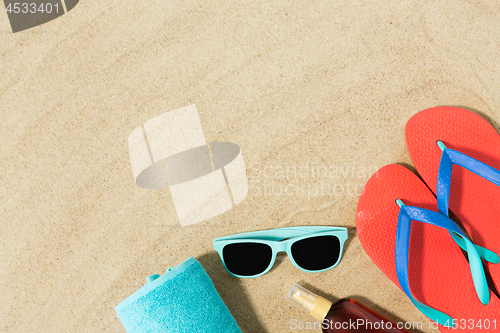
281	240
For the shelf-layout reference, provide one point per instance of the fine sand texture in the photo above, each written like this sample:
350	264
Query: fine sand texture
316	94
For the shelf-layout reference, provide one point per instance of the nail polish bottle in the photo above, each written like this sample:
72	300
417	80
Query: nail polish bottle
343	316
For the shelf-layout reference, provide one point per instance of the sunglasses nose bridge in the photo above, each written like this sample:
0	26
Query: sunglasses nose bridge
280	247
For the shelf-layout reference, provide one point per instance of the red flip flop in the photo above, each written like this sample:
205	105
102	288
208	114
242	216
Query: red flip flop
466	140
401	231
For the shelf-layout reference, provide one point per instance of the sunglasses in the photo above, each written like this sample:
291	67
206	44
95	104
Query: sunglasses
311	249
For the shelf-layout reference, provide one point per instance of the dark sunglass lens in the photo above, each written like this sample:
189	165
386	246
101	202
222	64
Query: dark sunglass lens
316	253
247	259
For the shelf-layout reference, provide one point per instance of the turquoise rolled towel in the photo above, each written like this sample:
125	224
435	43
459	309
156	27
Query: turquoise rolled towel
182	300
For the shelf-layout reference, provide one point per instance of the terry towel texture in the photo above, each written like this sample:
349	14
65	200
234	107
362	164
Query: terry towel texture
182	300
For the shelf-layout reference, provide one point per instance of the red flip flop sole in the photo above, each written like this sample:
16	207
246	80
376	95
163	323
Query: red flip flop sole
473	200
439	273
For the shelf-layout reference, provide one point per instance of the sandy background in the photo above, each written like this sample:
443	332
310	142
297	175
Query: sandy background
306	84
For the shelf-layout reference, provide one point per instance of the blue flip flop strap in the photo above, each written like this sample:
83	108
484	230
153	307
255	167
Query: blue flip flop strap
448	159
406	215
